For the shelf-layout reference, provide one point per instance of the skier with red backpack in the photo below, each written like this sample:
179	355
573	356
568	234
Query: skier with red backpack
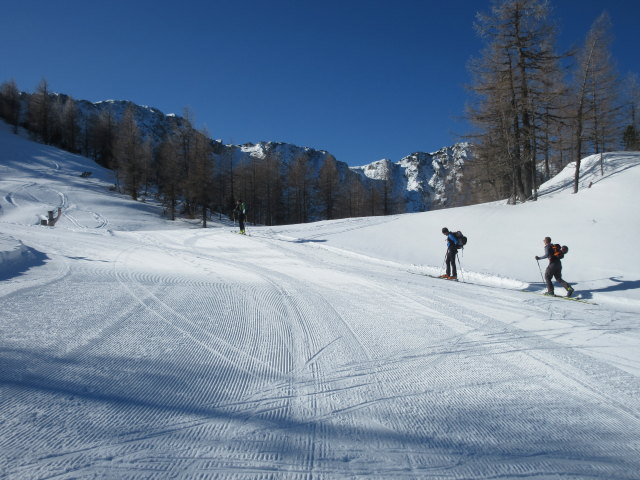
554	252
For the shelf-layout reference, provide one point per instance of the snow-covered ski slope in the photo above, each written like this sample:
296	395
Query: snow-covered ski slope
135	348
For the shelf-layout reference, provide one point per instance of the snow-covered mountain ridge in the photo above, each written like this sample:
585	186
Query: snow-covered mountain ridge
426	181
418	182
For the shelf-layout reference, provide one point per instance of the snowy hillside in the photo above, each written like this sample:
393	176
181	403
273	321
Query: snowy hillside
133	347
503	239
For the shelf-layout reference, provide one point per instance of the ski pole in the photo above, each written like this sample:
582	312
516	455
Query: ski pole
461	270
443	262
541	276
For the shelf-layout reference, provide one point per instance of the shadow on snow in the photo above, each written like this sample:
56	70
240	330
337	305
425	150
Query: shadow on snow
151	397
13	266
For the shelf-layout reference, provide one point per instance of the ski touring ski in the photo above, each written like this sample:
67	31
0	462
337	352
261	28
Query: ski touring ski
573	299
434	276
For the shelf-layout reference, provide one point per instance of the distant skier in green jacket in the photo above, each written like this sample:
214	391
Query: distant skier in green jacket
240	212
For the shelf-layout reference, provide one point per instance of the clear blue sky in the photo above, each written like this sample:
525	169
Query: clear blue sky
364	80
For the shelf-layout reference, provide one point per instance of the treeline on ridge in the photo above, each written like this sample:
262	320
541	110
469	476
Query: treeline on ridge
535	110
192	174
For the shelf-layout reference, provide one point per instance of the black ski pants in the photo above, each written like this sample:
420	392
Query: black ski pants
451	262
554	270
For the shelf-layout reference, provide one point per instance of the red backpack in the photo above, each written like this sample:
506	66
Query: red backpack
558	252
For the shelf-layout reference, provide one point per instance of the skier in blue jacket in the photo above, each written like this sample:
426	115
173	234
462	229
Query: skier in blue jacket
452	251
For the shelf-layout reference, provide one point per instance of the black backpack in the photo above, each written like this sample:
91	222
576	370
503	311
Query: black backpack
461	240
558	251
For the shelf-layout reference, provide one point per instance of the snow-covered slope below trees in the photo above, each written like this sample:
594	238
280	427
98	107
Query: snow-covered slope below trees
597	224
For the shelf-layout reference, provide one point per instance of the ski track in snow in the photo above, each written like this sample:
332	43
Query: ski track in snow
9	198
201	354
49	198
226	373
